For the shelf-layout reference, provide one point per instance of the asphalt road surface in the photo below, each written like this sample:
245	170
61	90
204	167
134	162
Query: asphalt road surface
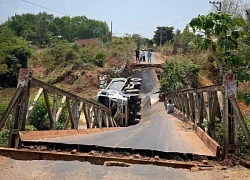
157	131
67	170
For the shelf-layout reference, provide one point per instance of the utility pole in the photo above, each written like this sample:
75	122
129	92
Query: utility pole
216	3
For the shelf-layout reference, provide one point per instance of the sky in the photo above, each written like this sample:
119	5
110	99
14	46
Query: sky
127	16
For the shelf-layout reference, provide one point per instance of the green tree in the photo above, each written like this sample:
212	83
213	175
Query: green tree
219	33
178	74
163	34
40	28
14	53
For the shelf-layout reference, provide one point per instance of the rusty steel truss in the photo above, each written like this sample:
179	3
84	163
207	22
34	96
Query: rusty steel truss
96	114
209	103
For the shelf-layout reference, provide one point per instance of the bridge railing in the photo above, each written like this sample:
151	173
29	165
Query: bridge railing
95	113
211	102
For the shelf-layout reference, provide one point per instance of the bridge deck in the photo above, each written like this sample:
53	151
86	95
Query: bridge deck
157	131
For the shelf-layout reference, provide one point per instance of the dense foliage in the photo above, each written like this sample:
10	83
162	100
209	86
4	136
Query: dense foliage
40	29
14	53
39	116
219	33
179	74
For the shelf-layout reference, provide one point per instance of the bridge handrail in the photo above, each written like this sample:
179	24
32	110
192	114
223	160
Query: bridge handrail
95	113
210	102
72	96
212	88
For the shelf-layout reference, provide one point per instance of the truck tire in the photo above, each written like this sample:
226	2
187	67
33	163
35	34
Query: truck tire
135	80
136	85
138	116
138	108
132	91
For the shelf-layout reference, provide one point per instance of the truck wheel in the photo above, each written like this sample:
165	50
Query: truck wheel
137	85
132	91
138	108
135	80
138	116
134	97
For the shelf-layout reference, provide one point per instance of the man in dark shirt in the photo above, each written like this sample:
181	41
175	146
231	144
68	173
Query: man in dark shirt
137	52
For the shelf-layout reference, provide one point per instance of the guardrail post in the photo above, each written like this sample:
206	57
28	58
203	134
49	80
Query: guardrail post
230	125
200	108
192	106
54	110
74	124
20	107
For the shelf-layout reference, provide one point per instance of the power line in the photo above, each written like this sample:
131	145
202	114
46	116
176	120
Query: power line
45	7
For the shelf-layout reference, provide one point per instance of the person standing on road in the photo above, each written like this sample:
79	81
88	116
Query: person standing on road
170	107
149	55
137	52
143	55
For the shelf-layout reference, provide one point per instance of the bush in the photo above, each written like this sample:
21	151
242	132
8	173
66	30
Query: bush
99	62
39	117
179	74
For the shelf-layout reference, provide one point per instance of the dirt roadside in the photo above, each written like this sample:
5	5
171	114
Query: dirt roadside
14	169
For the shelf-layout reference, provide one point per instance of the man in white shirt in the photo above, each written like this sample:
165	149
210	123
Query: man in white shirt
143	55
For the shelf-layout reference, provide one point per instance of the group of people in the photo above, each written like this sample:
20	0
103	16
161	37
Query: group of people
141	55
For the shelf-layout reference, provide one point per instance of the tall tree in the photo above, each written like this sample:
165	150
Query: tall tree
163	34
14	52
219	33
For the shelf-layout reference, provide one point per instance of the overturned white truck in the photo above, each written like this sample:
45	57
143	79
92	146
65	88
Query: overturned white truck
122	97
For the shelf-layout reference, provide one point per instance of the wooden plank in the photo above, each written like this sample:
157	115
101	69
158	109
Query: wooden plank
54	109
60	108
65	126
186	105
214	111
74	123
220	96
79	112
86	114
192	106
200	108
179	98
70	114
99	118
111	120
46	98
104	119
95	121
38	94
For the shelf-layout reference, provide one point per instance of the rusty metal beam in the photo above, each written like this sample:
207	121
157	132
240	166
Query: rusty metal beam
23	154
10	106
